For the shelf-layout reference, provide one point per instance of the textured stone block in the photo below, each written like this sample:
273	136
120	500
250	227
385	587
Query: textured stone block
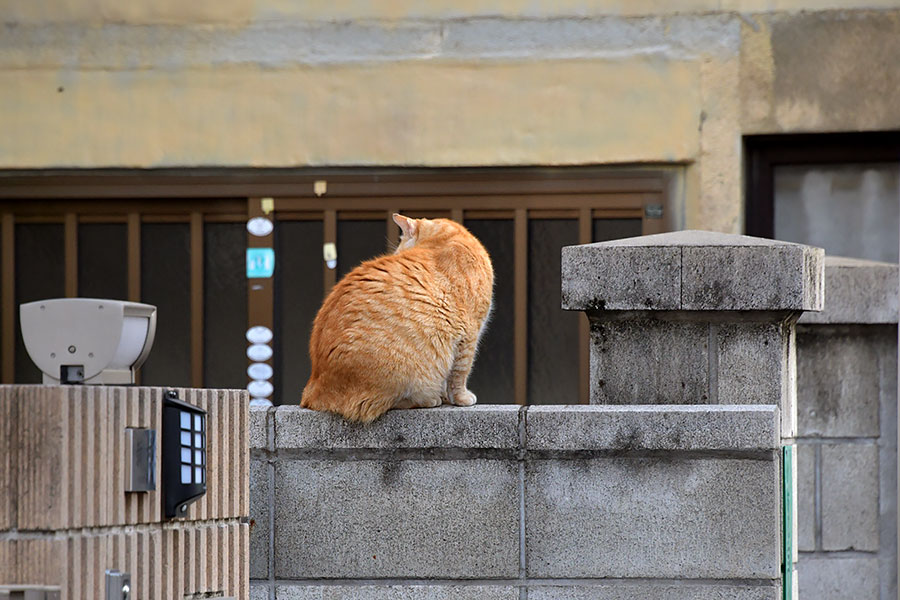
693	270
657	518
752	366
655	591
752	274
649	361
850	497
839	380
806	497
396	592
859	291
259	591
259	519
675	428
838	578
482	426
261	420
620	276
367	518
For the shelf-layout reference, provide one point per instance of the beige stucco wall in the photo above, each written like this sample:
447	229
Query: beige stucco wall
98	83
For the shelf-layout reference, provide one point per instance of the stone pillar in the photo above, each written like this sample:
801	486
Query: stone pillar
847	434
694	317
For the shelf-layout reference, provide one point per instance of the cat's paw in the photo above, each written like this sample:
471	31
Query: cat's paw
464	398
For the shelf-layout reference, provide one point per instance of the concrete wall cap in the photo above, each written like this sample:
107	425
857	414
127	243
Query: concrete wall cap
859	291
693	271
482	427
653	427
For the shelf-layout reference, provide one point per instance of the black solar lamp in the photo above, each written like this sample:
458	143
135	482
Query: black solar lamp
183	455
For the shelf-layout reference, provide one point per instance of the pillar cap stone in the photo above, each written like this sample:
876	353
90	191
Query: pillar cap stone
693	270
859	291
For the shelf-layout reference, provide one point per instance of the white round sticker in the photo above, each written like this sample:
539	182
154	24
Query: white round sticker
260	226
259	352
259	335
260	389
259	371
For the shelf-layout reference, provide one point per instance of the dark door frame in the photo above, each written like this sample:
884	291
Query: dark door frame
764	152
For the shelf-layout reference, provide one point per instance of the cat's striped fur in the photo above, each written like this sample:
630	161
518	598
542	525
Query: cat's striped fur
401	330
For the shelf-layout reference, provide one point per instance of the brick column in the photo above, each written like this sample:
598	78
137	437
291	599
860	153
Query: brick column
694	317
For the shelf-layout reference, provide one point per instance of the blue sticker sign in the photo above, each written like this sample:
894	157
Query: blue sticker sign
260	262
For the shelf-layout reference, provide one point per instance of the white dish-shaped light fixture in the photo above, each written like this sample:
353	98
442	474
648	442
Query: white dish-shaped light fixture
88	340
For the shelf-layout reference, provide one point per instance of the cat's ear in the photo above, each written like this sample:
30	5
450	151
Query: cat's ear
409	226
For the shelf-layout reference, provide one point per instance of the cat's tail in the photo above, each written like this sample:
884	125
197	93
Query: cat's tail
353	404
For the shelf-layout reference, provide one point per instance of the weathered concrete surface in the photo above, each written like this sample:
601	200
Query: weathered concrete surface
834	578
260	501
654	591
850	497
717	272
376	519
675	428
261	423
859	292
396	592
839	379
479	426
806	497
240	12
312	116
622	516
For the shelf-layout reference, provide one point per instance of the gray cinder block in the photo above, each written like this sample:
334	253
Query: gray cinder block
259	519
838	381
834	578
806	497
655	591
260	419
477	426
850	497
715	518
649	361
674	428
859	291
259	591
376	518
396	592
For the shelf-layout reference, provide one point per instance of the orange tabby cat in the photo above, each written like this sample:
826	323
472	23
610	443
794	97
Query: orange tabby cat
401	330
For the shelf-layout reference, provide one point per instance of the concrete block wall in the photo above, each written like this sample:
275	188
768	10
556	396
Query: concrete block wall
847	427
65	517
503	502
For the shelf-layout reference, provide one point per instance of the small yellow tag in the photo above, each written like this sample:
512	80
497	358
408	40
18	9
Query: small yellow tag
268	205
320	188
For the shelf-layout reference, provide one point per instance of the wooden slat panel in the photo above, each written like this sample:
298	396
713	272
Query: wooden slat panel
520	308
633	201
71	255
196	299
231	183
456	214
7	299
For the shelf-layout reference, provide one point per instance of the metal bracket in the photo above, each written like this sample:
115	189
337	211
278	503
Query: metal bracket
140	460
